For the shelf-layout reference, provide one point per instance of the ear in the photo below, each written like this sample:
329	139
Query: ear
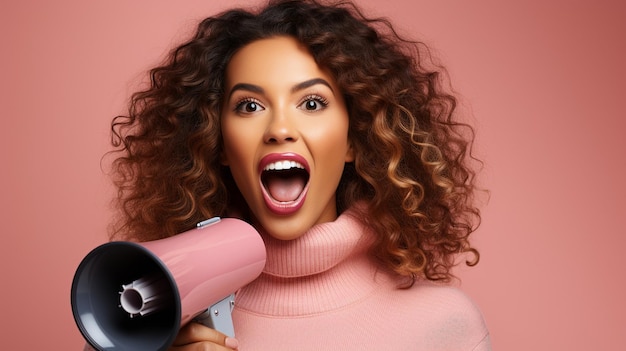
350	153
223	158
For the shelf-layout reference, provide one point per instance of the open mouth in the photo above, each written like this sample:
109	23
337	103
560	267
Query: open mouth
285	180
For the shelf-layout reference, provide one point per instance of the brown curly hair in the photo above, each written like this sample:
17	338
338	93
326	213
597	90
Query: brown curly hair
412	164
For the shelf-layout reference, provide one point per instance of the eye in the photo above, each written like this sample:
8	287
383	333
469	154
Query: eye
248	105
313	103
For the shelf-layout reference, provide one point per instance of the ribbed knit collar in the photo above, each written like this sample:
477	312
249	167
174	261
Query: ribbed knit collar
325	269
321	248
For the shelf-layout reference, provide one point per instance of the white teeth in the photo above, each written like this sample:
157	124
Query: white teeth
282	165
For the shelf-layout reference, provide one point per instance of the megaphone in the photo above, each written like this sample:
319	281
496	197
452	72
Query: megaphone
136	296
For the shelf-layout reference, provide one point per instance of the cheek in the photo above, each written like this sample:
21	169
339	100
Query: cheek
234	144
237	155
240	146
331	148
333	138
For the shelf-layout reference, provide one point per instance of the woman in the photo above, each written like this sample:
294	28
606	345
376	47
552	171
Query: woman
335	139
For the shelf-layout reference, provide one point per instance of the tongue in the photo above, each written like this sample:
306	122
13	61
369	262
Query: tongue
285	189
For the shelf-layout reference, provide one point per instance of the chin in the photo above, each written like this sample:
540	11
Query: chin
293	226
284	232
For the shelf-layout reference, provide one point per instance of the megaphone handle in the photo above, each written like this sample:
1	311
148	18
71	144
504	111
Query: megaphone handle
219	317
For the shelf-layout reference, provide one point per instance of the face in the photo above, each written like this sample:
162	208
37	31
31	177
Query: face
285	130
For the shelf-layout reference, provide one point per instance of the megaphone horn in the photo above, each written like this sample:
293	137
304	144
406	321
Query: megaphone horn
136	296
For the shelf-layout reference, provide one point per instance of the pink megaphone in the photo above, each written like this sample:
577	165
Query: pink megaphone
136	296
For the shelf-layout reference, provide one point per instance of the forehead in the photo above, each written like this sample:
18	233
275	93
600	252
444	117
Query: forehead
273	61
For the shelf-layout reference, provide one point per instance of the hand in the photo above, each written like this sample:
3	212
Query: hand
195	336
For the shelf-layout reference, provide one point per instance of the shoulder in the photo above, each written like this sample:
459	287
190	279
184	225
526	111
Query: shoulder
445	298
446	315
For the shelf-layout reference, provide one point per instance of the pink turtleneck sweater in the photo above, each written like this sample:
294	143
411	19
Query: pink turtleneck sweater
323	292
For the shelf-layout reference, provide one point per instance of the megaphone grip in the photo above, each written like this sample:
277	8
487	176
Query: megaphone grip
219	316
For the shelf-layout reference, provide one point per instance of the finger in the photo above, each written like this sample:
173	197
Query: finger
201	346
195	332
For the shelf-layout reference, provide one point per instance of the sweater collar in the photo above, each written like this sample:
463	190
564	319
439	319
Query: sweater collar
321	248
325	269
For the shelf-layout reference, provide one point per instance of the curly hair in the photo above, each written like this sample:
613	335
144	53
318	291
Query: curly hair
413	157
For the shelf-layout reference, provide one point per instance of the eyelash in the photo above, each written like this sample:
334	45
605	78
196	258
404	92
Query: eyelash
241	104
314	97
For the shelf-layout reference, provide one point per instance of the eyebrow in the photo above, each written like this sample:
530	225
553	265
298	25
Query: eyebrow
310	83
300	86
247	87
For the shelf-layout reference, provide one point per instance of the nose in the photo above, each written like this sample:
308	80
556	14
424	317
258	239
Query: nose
280	128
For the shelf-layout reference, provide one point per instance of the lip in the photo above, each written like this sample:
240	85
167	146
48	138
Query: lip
287	156
278	207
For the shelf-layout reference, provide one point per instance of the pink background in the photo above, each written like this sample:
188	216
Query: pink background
544	82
